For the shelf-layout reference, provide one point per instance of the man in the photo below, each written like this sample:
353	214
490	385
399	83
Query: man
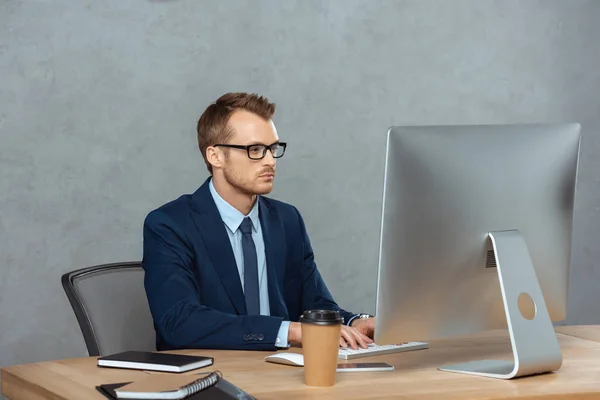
225	267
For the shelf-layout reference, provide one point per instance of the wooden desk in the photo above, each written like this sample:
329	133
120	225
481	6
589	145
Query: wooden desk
416	375
587	332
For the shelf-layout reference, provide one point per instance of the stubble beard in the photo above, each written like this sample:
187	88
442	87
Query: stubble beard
251	188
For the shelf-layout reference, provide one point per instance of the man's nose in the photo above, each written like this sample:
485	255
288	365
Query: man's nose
268	159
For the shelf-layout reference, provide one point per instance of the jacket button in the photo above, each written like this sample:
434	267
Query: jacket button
253	336
261	336
245	337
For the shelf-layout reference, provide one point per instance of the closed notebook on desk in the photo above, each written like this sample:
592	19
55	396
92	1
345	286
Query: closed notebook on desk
147	360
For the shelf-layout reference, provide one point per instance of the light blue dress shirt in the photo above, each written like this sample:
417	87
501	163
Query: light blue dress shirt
232	218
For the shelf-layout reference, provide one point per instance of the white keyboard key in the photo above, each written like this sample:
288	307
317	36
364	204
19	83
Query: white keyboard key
376	350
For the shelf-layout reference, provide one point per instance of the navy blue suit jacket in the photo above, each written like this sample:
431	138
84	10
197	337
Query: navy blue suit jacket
193	285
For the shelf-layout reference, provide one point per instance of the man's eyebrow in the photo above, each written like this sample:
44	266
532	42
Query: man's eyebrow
262	144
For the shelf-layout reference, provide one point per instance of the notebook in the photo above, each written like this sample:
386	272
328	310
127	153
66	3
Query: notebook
222	390
166	386
146	360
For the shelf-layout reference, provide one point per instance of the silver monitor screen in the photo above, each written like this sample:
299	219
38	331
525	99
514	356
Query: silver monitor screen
445	189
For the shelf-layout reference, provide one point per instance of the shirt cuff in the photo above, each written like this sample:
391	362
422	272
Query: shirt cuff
282	335
352	319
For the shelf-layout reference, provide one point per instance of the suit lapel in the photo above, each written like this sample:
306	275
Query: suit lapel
208	221
273	235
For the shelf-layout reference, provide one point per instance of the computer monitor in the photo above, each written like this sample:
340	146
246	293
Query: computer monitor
476	235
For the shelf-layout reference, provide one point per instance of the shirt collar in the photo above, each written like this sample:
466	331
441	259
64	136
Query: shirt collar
231	216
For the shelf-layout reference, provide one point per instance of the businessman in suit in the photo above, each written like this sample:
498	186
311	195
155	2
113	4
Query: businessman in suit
227	267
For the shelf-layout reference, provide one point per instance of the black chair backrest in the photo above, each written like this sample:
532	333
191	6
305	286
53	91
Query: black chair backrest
111	307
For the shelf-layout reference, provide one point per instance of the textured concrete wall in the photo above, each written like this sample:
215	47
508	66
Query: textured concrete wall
99	100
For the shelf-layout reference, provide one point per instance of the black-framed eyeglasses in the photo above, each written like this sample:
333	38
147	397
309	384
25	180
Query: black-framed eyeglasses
259	151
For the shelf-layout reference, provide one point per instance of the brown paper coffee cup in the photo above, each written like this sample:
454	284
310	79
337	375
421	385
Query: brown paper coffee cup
320	345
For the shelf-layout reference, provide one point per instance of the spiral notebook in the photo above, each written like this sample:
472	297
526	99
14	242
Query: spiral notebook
167	386
191	387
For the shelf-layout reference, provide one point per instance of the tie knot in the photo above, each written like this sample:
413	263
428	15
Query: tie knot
246	226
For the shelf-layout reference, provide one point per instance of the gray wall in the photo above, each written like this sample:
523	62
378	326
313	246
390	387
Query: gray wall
99	100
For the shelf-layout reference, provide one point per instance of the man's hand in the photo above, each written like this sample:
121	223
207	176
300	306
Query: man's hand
350	336
295	333
365	326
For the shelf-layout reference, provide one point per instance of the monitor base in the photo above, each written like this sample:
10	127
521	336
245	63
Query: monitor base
534	344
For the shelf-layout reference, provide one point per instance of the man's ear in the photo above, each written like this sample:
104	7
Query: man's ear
215	157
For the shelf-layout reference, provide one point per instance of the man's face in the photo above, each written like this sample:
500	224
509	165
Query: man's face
250	176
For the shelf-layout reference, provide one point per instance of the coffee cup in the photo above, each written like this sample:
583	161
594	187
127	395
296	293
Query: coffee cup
320	345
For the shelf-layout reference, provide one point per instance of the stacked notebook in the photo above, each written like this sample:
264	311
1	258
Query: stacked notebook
192	387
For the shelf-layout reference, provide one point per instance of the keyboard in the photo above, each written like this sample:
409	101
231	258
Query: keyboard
376	350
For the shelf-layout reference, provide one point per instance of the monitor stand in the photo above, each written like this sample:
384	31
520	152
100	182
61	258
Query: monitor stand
534	344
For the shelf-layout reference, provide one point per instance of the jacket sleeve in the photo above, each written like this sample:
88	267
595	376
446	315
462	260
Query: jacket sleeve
315	294
173	296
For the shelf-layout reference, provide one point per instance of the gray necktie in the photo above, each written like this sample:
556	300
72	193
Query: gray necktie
250	269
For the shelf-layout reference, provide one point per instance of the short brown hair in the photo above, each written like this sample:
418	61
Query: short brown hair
212	125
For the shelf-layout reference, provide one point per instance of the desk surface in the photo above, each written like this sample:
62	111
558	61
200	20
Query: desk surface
416	375
587	332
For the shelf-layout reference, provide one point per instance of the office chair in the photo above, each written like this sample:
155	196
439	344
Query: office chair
110	304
